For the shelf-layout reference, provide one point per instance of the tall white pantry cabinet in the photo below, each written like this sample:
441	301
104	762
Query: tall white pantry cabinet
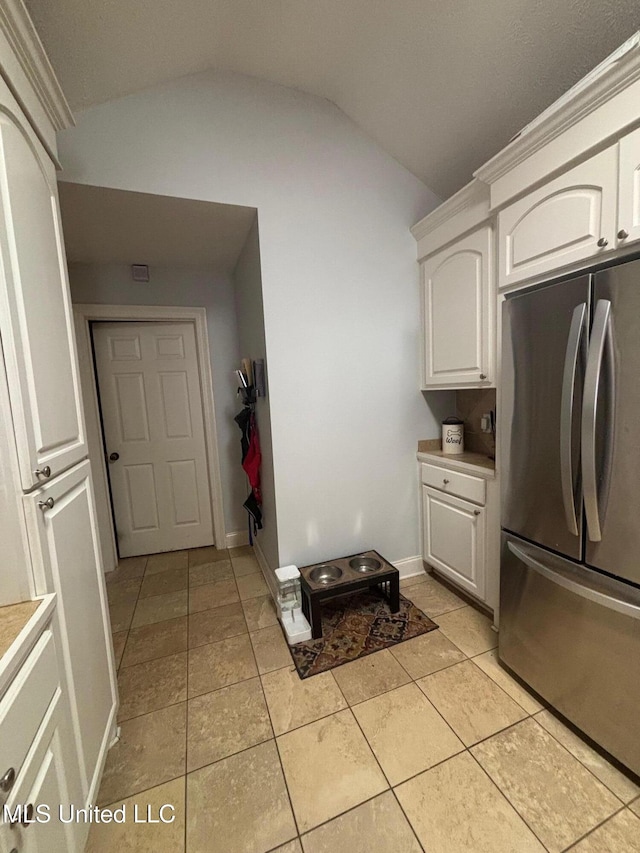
48	531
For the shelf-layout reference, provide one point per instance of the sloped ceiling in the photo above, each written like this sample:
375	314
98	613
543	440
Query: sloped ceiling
442	85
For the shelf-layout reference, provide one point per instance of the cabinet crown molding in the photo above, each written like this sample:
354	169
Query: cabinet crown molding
473	193
18	29
604	82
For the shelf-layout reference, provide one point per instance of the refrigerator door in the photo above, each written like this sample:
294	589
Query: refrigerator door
543	355
573	635
611	436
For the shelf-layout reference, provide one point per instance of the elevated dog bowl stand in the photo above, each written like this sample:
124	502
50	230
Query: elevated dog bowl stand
386	580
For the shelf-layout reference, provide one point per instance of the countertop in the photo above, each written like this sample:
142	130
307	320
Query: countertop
20	626
480	463
13	618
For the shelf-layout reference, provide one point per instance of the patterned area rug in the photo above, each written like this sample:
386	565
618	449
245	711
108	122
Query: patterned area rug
355	626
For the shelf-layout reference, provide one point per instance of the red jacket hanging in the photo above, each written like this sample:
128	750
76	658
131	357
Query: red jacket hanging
252	459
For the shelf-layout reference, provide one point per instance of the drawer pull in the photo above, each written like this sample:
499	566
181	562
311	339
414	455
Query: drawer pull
6	783
45	471
45	505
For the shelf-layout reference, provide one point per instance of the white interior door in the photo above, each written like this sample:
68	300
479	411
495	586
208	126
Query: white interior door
149	386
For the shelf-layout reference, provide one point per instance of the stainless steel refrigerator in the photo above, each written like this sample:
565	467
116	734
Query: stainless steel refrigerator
570	560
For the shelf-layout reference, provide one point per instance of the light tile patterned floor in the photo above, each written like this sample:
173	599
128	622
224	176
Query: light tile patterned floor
428	746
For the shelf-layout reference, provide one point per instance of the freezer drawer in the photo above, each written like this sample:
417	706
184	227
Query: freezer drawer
573	635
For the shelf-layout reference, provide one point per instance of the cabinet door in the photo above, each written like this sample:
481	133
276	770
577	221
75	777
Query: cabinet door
454	539
66	557
35	312
42	783
458	309
569	219
629	189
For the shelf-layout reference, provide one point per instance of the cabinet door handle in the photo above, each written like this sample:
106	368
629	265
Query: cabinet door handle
623	234
445	481
6	782
45	471
476	512
483	376
45	505
602	242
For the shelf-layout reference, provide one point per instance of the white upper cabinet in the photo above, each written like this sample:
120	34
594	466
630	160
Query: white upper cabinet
568	219
458	311
35	313
629	190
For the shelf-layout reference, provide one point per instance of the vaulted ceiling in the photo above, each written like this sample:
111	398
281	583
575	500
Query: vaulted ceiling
442	85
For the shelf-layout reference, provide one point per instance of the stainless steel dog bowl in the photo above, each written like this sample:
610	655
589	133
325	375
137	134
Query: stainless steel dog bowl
365	564
326	573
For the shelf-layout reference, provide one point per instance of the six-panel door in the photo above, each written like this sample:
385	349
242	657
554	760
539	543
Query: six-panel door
35	314
151	405
454	539
458	310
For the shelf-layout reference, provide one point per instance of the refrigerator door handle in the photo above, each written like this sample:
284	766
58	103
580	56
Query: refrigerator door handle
573	351
601	334
624	607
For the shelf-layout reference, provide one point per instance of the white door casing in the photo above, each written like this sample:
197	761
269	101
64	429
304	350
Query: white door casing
36	321
152	412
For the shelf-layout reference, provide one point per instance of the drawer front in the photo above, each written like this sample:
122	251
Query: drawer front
25	703
454	483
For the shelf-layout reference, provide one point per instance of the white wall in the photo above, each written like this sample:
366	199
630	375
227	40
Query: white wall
192	287
247	278
340	287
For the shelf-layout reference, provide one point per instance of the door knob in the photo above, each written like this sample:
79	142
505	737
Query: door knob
622	234
6	782
45	505
602	242
113	457
45	471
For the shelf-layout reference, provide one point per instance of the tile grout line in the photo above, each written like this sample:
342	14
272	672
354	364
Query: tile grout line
580	761
275	740
506	798
591	831
390	788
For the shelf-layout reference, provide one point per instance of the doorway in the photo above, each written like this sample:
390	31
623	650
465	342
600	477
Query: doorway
153	427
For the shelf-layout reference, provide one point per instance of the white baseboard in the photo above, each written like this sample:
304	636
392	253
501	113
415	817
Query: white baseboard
409	567
267	571
236	539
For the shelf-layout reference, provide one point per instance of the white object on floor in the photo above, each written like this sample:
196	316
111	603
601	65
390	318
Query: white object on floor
290	613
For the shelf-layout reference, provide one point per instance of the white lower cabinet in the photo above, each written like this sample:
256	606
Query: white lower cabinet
454	539
39	764
41	795
65	551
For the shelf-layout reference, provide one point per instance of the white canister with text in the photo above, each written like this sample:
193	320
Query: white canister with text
452	436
